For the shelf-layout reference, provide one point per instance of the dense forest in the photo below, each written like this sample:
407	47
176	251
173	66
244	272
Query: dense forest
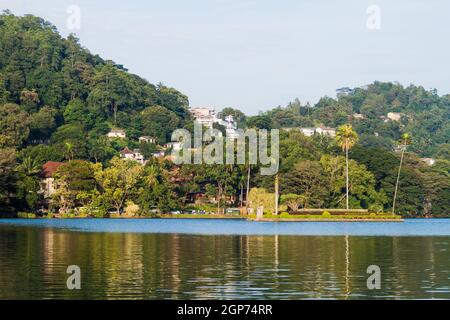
422	112
58	101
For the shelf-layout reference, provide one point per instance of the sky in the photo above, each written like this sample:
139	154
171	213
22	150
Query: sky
256	55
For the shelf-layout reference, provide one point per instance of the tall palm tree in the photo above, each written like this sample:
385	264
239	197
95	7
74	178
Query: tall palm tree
346	138
403	143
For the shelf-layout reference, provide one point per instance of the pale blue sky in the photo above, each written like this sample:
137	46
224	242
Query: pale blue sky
255	55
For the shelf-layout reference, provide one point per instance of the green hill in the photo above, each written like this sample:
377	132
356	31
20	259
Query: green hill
53	90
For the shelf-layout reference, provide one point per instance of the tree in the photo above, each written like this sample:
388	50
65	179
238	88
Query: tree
238	116
29	100
118	182
14	124
293	201
72	179
8	177
159	122
361	185
42	124
306	179
403	144
259	197
346	138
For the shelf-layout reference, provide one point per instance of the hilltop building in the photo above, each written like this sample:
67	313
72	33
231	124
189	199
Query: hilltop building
116	133
322	130
147	139
208	117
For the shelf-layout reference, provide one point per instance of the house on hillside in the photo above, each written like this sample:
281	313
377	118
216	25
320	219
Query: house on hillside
116	133
394	116
147	139
173	145
322	130
47	184
205	116
326	131
428	161
308	131
134	155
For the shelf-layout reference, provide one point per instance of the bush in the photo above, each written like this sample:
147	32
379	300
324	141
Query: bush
284	215
26	215
326	214
131	209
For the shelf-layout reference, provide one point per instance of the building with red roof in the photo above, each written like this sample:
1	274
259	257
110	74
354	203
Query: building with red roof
47	183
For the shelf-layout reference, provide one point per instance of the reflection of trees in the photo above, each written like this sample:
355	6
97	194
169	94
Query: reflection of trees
116	265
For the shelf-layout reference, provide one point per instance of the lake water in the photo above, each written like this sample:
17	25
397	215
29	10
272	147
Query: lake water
223	259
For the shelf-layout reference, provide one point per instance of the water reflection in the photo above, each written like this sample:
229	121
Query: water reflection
172	266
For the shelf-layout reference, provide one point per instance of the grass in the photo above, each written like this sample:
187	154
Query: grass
331	217
202	216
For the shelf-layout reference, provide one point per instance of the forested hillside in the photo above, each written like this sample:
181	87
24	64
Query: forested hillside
424	114
55	92
58	101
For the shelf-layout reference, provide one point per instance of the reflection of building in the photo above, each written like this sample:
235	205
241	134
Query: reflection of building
48	182
132	155
116	133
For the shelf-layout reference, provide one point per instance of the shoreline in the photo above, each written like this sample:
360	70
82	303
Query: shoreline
323	220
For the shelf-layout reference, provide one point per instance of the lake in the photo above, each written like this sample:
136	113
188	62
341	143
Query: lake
223	259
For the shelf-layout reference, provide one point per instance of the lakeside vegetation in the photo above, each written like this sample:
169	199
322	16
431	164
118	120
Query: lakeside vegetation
58	101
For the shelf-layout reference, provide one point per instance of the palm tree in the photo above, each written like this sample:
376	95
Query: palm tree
69	150
346	138
277	182
152	176
29	166
403	143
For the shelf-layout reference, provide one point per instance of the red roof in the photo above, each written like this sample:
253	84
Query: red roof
126	151
49	168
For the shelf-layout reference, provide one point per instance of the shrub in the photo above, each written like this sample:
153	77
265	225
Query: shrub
326	214
131	209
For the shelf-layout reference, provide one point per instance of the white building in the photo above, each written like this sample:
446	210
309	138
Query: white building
173	145
116	133
428	161
135	155
322	130
147	139
208	117
326	131
159	154
394	116
205	116
308	131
